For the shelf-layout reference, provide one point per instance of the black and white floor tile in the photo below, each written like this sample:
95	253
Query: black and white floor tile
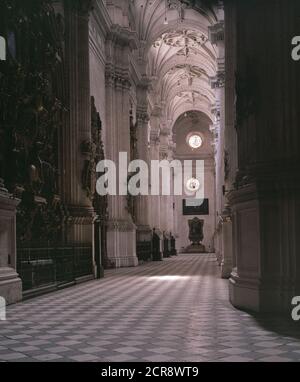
175	310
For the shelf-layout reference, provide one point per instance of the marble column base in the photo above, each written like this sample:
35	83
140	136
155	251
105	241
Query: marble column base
226	270
121	244
257	296
10	285
226	262
218	257
264	280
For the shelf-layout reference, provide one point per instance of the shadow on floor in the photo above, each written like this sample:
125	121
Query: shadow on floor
278	323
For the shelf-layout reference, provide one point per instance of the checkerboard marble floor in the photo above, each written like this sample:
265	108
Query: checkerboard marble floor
175	310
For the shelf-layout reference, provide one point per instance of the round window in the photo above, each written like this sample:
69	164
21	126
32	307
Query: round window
195	141
193	185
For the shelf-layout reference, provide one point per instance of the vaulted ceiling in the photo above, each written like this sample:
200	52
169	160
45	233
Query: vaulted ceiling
179	56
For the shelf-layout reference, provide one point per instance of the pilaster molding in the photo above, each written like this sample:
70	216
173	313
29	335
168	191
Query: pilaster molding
102	17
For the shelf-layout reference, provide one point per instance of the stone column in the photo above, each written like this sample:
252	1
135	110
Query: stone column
142	201
216	34
10	283
218	174
77	132
155	200
265	203
163	201
226	262
230	138
121	232
154	155
164	156
171	198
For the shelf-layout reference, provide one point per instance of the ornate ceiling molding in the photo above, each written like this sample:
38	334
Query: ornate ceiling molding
180	6
186	72
186	41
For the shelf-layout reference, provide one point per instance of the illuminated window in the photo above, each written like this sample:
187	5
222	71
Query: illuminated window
195	141
193	185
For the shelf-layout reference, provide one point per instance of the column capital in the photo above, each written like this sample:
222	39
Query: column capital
156	111
142	116
216	111
154	137
163	153
216	33
218	81
122	36
165	130
145	84
117	78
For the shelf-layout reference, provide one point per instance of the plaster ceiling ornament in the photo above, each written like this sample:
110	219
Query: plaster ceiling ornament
179	58
186	72
190	97
192	185
180	6
187	41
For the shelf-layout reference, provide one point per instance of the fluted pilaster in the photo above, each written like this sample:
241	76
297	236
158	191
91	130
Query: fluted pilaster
77	131
121	235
